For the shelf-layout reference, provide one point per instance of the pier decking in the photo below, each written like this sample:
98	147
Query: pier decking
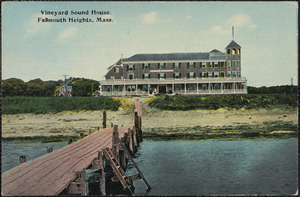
61	172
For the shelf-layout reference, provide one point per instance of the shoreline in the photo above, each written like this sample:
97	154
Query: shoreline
156	124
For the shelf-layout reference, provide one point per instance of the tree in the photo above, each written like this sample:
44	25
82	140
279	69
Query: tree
13	87
48	88
83	87
34	87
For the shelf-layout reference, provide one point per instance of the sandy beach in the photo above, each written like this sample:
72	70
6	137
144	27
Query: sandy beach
71	123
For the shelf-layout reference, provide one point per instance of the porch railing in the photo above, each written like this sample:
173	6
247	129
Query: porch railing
171	81
181	92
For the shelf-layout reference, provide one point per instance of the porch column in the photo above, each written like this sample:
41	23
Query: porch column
234	87
112	90
197	89
209	87
173	89
124	92
136	88
148	89
184	88
222	86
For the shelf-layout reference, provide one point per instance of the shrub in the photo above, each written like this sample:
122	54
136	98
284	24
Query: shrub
14	105
179	102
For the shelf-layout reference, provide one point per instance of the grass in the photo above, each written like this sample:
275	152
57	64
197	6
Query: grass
214	102
43	139
269	130
41	105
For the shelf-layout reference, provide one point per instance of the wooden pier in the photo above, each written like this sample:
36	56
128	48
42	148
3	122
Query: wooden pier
62	172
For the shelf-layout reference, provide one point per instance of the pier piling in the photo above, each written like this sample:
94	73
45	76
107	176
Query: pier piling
104	120
22	159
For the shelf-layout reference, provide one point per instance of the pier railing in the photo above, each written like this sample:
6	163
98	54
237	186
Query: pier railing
62	172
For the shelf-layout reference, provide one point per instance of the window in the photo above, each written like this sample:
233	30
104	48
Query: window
131	88
112	77
217	86
228	51
233	63
233	74
130	76
238	74
145	88
130	68
177	75
191	87
204	86
209	64
222	64
146	76
205	75
191	65
210	75
239	51
162	65
176	65
202	65
228	74
191	75
228	64
162	76
215	64
216	74
238	63
222	74
116	69
146	66
233	51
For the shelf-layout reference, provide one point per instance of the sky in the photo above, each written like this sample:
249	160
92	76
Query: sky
266	31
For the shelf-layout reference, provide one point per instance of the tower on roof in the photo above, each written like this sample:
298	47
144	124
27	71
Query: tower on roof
233	51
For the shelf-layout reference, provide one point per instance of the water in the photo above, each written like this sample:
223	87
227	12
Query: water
197	167
218	167
12	150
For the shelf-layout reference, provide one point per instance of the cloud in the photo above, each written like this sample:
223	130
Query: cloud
33	27
149	18
252	26
219	30
67	33
188	17
241	20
